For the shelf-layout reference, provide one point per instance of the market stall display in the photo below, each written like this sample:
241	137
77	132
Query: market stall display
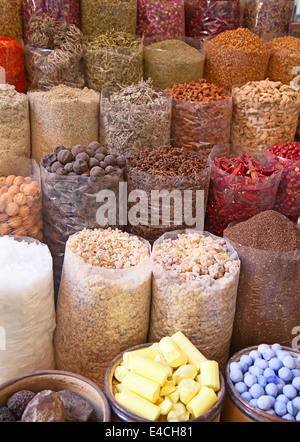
11	22
12	69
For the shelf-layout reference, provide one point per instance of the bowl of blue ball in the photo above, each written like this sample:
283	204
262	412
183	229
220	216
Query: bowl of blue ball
263	385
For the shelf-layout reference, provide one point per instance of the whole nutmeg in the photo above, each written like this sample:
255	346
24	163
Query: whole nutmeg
103	164
58	149
69	167
61	171
56	166
97	172
121	161
65	157
83	156
94	145
93	162
80	167
77	149
110	160
90	152
109	169
100	156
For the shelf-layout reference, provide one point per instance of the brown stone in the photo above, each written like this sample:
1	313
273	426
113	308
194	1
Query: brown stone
46	406
78	409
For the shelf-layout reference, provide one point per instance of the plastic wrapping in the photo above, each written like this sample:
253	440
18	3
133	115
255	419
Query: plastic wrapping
100	313
60	10
172	62
206	18
11	21
269	18
201	308
159	20
282	62
101	16
268	297
233	197
20	198
26	308
109	66
12	69
128	126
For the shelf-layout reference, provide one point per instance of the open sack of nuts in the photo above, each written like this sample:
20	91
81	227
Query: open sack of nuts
20	198
72	180
104	300
195	280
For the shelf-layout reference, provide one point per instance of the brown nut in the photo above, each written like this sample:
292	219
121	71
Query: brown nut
19	180
80	167
3	190
14	189
20	231
3	217
15	222
12	209
65	157
24	211
20	199
10	180
5	229
30	189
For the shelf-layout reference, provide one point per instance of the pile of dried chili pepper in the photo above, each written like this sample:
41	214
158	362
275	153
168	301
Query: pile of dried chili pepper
12	70
239	189
288	195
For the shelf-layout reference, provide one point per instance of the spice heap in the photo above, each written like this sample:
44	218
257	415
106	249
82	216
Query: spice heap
14	122
112	59
264	113
11	22
240	187
160	20
172	62
236	57
269	19
162	382
165	170
111	271
288	195
133	117
285	55
205	19
268	246
201	112
195	278
11	60
53	54
101	16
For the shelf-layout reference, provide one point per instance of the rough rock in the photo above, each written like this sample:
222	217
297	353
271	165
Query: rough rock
46	406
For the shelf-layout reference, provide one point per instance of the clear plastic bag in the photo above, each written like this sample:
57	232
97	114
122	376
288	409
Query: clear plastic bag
282	62
20	198
100	313
27	314
201	308
11	21
12	69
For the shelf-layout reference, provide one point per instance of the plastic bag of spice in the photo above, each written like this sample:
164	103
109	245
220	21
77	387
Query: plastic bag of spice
111	271
12	69
267	308
113	59
207	18
26	307
172	62
20	197
240	187
195	280
285	55
173	184
101	16
11	21
200	112
288	195
159	20
61	11
72	182
133	117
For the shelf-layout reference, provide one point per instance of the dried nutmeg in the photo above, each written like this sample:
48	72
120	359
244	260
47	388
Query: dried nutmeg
110	160
121	161
97	172
65	156
77	149
100	157
93	162
94	145
83	156
69	167
61	171
56	166
109	169
58	149
80	167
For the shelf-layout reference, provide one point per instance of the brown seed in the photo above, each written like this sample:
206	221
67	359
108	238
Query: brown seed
5	229
12	209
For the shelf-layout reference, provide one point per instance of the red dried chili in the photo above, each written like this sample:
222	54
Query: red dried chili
288	195
240	188
12	70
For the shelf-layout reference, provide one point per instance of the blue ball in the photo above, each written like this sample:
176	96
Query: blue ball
280	408
290	391
253	402
296	383
291	409
246	359
288	417
234	365
295	372
268	354
247	396
236	375
275	364
282	398
263	347
271	389
261	363
241	387
250	379
261	380
256	391
264	402
269	372
254	354
285	374
256	371
289	362
276	347
273	380
282	354
296	402
280	385
243	366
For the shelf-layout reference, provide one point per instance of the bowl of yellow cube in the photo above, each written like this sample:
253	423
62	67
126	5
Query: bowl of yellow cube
167	381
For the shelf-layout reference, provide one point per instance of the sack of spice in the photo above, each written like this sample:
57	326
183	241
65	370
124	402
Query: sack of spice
172	184
159	20
20	198
12	69
101	16
111	272
54	55
285	55
61	11
133	117
26	307
288	195
264	113
63	115
240	187
235	57
268	299
194	287
269	18
201	112
113	59
72	179
11	21
205	19
14	122
172	62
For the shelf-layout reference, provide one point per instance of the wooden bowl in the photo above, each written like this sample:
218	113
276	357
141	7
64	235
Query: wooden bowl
123	415
236	408
59	380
